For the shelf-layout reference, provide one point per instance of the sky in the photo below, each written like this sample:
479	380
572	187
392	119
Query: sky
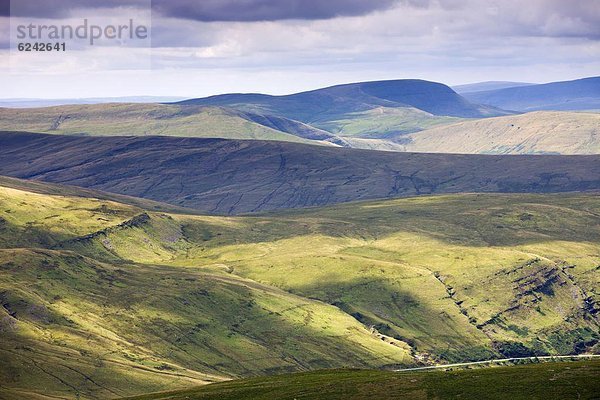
205	47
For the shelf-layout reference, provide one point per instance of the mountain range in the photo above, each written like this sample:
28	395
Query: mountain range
580	94
399	115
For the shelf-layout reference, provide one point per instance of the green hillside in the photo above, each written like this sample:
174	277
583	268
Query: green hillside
206	121
103	299
372	110
541	132
397	115
76	325
384	123
552	381
118	119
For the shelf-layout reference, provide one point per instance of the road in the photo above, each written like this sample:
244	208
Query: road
498	360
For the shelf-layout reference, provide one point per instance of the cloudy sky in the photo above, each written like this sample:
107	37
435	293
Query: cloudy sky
204	47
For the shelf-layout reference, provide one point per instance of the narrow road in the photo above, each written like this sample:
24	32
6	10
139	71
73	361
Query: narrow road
498	360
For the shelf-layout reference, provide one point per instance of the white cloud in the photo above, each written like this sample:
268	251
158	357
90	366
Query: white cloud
451	41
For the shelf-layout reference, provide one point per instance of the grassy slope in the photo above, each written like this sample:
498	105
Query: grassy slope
381	128
214	122
139	120
74	325
249	176
531	133
552	381
432	270
361	284
384	122
371	110
75	191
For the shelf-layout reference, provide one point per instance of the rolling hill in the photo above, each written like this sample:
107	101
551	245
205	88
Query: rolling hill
171	262
118	119
105	299
329	103
398	115
36	103
542	132
580	94
233	177
104	327
372	110
382	123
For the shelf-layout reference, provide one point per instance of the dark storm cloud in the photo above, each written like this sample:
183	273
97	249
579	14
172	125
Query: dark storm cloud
266	10
207	10
490	18
58	8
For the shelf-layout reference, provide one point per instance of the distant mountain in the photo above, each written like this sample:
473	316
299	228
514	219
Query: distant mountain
231	176
384	128
351	115
580	94
489	85
334	102
28	103
540	132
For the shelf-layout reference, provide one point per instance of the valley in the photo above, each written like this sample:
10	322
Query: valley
162	299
